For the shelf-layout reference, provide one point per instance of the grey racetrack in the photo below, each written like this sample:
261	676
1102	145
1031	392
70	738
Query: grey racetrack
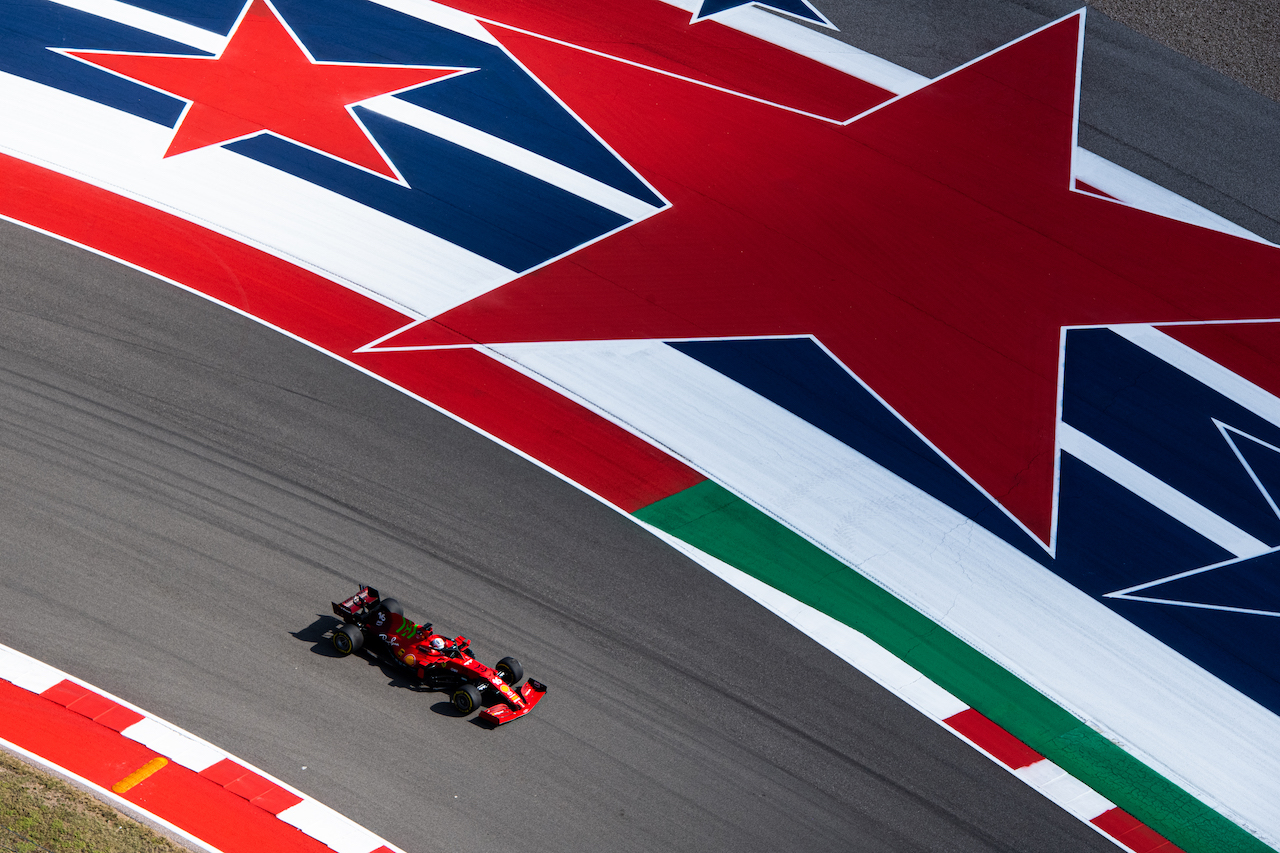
184	491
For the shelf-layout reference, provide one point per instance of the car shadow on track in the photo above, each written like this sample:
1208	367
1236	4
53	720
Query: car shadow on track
319	634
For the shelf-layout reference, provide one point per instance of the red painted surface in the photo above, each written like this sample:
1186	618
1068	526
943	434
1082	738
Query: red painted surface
658	35
275	800
934	246
220	818
1133	833
993	739
65	692
604	458
224	772
1249	349
237	94
89	704
103	756
66	738
1082	186
248	785
118	718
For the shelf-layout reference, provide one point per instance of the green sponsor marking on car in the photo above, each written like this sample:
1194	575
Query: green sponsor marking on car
711	518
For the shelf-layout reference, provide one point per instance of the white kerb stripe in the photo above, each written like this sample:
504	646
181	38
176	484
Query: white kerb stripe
175	745
27	672
536	165
330	828
1158	493
141	19
1064	789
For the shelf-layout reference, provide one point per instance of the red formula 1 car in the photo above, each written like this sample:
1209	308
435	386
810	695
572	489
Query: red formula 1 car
433	660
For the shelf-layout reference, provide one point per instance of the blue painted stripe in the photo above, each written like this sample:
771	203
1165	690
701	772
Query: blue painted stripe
484	206
217	16
1109	539
1161	419
27	31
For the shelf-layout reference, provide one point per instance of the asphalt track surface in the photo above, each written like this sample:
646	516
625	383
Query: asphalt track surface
183	491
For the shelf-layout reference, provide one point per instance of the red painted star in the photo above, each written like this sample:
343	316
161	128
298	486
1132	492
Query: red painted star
265	80
935	246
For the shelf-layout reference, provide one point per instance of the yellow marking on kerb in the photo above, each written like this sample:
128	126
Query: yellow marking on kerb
142	773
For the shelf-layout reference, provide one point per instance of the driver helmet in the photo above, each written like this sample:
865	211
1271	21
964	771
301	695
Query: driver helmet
437	643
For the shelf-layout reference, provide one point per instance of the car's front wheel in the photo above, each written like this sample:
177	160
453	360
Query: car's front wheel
510	670
466	698
347	639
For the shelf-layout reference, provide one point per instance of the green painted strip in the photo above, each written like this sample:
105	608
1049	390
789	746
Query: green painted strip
711	518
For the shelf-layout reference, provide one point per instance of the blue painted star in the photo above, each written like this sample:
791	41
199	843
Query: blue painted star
798	8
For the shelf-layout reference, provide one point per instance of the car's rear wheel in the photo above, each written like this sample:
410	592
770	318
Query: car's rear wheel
347	639
392	606
466	698
510	670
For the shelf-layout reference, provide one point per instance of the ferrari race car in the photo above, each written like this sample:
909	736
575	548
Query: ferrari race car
436	662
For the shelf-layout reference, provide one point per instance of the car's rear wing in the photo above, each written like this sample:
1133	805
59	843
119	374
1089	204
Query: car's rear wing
347	609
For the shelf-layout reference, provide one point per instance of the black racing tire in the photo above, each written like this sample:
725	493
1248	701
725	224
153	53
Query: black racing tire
392	606
510	670
466	698
347	639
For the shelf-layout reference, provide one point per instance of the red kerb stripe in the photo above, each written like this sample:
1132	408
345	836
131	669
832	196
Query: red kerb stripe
993	739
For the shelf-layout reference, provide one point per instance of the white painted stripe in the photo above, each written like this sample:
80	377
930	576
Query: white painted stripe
330	828
1064	789
368	251
823	48
930	698
441	16
1079	799
174	744
151	22
514	156
1137	191
1158	493
815	45
1040	774
1200	367
27	672
1182	721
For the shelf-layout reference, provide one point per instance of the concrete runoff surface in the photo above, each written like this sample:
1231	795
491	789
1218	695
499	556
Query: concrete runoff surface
185	491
